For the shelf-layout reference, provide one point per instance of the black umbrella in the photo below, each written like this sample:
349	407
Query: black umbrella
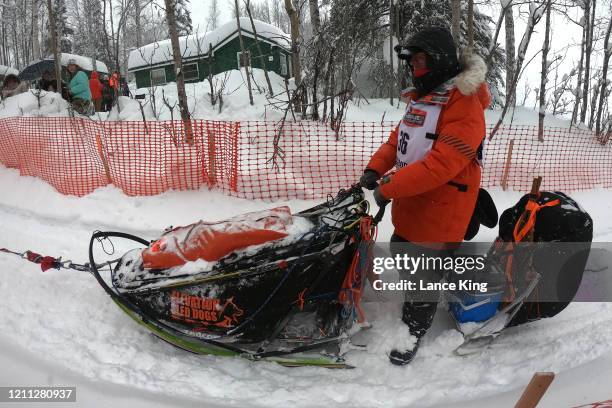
34	71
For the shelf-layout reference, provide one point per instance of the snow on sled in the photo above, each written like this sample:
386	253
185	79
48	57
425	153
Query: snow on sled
266	285
533	269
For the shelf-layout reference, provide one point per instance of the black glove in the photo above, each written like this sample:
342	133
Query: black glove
369	179
381	201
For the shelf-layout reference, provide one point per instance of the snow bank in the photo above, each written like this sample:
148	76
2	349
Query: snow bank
198	44
236	106
34	104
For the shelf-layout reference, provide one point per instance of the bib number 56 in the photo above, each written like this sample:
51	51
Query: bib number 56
403	142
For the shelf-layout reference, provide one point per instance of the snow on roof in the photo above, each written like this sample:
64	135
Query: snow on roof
84	62
4	70
198	44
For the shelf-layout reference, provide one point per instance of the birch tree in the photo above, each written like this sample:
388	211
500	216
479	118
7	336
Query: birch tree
470	26
178	67
295	49
35	35
535	14
589	14
245	59
262	57
55	45
604	80
510	52
544	75
456	21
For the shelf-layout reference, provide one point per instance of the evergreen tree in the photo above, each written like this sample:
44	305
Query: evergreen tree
184	25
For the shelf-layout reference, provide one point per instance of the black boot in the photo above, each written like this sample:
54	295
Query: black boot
418	316
400	358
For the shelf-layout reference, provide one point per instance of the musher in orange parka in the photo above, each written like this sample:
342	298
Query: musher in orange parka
436	151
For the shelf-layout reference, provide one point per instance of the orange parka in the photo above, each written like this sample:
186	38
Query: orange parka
434	197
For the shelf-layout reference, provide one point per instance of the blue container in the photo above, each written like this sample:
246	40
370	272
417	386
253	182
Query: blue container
474	307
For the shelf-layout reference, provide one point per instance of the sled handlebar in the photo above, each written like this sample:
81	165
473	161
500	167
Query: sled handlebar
380	214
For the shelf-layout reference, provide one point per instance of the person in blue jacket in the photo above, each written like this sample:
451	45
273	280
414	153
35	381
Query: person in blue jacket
79	89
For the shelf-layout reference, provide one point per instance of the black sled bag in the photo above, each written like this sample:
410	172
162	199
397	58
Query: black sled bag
562	236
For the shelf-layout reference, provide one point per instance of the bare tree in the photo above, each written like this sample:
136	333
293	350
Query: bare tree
510	52
589	20
138	26
178	68
213	14
54	45
391	84
535	14
35	35
295	49
456	21
315	20
245	58
247	4
506	4
544	75
470	26
112	39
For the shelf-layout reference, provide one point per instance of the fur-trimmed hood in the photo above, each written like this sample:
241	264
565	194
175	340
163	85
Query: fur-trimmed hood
472	75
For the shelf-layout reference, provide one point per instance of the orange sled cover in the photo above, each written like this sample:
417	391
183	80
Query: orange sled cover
213	241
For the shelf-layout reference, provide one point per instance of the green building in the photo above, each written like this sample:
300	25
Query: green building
216	51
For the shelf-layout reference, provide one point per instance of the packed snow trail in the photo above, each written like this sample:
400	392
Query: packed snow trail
65	319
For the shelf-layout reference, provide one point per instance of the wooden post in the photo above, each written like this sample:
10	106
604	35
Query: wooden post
535	390
504	182
103	158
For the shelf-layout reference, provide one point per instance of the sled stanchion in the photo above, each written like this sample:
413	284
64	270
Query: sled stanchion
535	390
379	215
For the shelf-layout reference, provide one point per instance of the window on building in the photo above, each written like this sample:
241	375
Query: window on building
244	59
190	72
158	76
283	64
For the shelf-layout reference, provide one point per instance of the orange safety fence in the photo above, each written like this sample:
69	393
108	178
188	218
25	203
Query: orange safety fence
269	160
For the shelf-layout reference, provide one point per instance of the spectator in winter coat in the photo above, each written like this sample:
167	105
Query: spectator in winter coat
79	89
113	82
125	89
48	82
12	85
95	86
436	151
107	95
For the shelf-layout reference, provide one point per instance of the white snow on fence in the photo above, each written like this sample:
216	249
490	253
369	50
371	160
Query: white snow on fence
199	43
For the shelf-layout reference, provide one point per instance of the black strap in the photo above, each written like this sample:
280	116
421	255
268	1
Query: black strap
461	187
431	136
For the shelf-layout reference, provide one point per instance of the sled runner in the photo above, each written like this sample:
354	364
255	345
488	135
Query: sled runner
529	278
267	285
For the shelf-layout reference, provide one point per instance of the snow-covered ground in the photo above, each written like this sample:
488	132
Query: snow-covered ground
62	321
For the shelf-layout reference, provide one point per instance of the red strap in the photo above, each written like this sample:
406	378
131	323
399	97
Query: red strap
522	228
46	262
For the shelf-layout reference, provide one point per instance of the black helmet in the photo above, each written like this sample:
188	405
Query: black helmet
437	43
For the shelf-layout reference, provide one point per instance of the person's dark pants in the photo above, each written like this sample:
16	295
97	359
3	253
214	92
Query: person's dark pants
419	307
